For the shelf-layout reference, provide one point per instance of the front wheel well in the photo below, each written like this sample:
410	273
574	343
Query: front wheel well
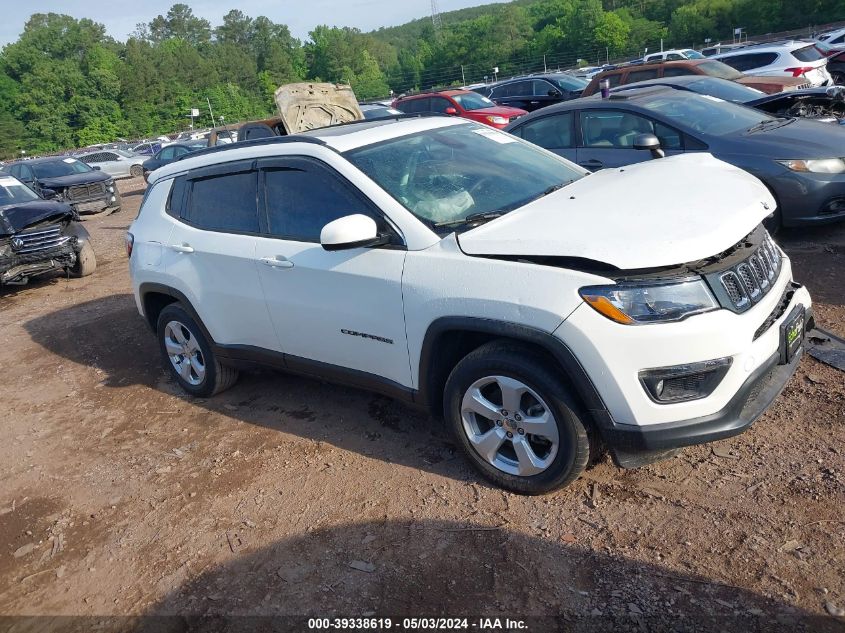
448	348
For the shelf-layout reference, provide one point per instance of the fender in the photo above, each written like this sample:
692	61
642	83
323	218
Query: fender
502	329
148	287
79	232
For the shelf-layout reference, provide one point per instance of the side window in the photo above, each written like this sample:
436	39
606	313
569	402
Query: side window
225	203
669	137
677	71
550	132
642	75
543	88
91	158
26	173
108	156
750	61
302	199
176	200
838	40
671	57
167	153
612	128
439	104
614	79
412	106
176	151
498	92
15	170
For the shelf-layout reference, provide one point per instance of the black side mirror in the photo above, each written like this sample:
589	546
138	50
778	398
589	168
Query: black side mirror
554	93
49	194
95	167
649	142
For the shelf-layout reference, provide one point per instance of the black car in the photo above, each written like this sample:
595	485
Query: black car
39	236
836	68
821	104
85	188
797	159
535	92
167	155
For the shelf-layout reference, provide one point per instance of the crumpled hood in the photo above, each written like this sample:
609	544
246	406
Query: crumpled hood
17	217
74	179
659	213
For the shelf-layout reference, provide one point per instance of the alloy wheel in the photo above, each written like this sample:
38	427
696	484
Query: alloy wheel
509	425
184	352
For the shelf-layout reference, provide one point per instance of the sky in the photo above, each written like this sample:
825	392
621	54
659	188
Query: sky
121	16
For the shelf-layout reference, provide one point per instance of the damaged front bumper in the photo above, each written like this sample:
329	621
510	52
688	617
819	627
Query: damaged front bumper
43	250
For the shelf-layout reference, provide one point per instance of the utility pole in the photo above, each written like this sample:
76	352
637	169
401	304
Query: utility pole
463	79
208	101
545	70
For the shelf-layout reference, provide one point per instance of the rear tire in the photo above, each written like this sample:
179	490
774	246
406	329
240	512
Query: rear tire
86	261
541	443
188	354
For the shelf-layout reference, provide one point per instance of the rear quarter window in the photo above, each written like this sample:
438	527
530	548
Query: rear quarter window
750	61
807	54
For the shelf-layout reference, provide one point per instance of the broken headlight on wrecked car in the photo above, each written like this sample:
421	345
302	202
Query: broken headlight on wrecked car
639	303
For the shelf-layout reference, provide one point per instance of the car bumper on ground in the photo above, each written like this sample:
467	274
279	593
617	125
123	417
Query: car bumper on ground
632	423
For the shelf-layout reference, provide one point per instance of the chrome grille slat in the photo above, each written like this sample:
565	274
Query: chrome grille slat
747	282
86	191
41	240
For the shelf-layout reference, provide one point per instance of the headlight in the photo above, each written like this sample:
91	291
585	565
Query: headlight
641	303
497	120
817	166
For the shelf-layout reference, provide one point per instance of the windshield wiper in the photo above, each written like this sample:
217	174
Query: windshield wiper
473	217
767	122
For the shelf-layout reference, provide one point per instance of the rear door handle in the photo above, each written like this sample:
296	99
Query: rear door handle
279	261
181	248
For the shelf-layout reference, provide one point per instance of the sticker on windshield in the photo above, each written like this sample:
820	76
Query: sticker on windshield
69	160
499	137
712	98
7	181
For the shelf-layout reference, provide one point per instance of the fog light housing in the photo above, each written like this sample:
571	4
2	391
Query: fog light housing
835	205
113	199
682	383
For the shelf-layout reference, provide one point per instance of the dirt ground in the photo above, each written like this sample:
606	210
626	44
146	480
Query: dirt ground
120	495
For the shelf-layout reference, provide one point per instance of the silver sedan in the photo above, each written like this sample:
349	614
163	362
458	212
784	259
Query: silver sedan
116	163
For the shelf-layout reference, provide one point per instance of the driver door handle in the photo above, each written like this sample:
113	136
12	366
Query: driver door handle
279	261
181	248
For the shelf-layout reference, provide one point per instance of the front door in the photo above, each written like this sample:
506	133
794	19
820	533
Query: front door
343	308
607	138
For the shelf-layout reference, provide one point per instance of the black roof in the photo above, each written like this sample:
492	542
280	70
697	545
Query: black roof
43	159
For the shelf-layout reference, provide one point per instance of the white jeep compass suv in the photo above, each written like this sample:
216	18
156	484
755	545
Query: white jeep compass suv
545	312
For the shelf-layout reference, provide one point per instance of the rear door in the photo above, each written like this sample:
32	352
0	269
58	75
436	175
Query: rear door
607	138
212	251
555	132
343	308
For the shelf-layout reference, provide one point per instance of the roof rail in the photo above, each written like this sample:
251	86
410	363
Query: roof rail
272	140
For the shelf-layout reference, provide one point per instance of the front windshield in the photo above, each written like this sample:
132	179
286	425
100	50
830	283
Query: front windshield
59	168
448	173
691	54
718	69
703	113
727	90
13	191
473	101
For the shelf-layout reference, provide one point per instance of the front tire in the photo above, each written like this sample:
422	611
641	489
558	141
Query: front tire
188	354
136	170
86	261
516	420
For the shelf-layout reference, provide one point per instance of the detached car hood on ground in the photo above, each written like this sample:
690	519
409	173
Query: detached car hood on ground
17	217
659	213
73	179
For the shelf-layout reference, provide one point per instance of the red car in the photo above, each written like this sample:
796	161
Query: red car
462	103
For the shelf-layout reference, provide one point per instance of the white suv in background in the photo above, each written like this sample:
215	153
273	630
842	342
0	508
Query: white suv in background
545	312
794	58
672	55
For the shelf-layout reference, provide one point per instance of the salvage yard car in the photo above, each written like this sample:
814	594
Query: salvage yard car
84	188
546	314
461	103
797	159
116	163
39	236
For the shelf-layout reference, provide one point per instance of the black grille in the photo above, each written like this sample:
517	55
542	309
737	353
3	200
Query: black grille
745	283
83	192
